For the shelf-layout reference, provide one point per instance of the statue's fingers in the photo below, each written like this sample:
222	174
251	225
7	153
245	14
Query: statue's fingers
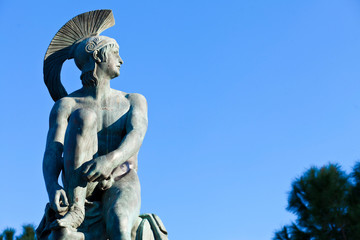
57	201
64	198
95	177
90	172
100	178
107	183
62	209
87	167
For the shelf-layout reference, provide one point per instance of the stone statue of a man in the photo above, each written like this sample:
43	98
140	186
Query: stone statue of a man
94	138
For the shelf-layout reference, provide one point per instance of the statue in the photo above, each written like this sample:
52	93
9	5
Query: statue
94	138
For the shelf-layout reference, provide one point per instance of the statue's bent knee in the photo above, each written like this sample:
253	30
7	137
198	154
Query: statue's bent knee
65	234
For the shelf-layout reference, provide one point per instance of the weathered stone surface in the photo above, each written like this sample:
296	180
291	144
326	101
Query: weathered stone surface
94	137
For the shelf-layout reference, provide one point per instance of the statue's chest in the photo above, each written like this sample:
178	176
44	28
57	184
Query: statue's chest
111	128
112	118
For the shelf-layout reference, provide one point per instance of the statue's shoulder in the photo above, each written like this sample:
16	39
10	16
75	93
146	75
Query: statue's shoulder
63	106
133	98
67	101
136	98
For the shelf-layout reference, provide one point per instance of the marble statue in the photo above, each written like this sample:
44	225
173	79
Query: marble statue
94	137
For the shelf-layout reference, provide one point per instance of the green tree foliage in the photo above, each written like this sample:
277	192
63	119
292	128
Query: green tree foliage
326	202
27	234
8	234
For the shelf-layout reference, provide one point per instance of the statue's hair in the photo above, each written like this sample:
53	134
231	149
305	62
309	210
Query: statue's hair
89	78
64	44
103	52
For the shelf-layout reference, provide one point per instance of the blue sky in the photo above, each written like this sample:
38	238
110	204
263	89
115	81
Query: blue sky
243	96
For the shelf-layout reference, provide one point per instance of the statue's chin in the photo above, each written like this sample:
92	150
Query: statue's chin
115	76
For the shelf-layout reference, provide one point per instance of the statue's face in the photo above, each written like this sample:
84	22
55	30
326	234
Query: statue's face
113	62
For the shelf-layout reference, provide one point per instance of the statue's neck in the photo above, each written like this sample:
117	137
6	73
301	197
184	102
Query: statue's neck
99	92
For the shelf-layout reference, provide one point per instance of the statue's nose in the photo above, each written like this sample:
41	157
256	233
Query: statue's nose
120	60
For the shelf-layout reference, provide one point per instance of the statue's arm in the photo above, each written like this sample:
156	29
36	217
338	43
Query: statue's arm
52	162
136	127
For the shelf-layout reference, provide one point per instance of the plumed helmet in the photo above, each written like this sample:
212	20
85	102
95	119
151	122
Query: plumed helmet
77	39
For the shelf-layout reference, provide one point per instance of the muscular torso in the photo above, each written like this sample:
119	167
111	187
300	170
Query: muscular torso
112	114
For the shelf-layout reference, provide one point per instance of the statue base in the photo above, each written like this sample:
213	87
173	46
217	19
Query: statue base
146	227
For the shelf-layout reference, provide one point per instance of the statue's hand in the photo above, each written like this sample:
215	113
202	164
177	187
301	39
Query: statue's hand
97	169
106	183
58	200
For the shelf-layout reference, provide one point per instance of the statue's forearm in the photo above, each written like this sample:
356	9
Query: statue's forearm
128	148
52	165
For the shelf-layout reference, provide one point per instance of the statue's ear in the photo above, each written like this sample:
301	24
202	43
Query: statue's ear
96	57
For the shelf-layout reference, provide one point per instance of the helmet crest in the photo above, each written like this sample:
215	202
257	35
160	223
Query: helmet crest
66	42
